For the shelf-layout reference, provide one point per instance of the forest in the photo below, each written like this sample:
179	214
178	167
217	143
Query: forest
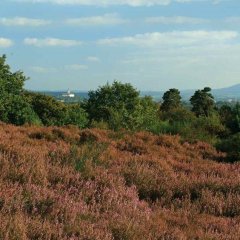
117	166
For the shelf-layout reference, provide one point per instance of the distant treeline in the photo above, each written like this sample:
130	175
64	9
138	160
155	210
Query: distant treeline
118	106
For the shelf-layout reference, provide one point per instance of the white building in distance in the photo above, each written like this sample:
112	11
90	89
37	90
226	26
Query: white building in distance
68	94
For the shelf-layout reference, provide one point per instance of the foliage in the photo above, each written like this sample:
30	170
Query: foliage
13	106
231	146
18	111
49	110
10	82
120	106
66	183
236	118
149	113
171	100
203	102
108	97
180	114
76	116
230	117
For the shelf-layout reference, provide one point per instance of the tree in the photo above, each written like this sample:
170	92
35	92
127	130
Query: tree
231	146
203	102
49	110
76	115
10	82
180	115
13	106
18	111
120	106
171	100
236	118
105	99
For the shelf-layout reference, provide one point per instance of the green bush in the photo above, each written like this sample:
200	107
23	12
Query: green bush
232	147
76	116
50	111
18	111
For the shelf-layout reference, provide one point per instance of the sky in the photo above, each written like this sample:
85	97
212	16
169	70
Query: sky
152	44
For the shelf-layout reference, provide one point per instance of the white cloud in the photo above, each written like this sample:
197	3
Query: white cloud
107	19
44	70
174	38
76	67
5	42
22	21
39	69
133	3
232	20
93	59
187	67
51	42
175	20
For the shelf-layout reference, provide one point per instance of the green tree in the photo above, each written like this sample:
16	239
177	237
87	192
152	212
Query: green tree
203	102
76	115
236	118
120	106
49	110
10	82
231	146
13	106
149	111
105	99
181	115
171	100
18	111
230	117
144	116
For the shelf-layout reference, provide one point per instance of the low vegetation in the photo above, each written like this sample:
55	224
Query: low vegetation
66	183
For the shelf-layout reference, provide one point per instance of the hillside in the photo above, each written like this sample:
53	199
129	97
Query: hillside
232	92
63	183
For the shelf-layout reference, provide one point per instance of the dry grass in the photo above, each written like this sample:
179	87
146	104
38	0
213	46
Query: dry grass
63	183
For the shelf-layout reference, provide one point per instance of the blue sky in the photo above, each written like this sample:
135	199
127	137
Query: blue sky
153	44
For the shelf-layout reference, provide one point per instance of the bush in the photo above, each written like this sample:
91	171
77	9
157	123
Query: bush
178	115
18	111
232	147
76	116
50	111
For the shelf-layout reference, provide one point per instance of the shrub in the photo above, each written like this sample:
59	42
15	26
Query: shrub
232	147
76	116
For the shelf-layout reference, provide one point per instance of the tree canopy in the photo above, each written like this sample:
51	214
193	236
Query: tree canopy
171	100
203	102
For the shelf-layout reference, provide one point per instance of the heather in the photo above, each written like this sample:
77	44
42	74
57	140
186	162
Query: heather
67	183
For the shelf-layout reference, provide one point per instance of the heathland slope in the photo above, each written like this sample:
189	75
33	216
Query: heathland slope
66	183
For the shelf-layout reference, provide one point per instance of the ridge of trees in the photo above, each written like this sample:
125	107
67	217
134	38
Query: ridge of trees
119	106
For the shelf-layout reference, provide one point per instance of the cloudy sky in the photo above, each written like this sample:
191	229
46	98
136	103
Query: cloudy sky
153	44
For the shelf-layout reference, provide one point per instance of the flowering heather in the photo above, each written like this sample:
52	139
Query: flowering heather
66	183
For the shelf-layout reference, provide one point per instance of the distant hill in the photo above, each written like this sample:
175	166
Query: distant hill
232	92
227	93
